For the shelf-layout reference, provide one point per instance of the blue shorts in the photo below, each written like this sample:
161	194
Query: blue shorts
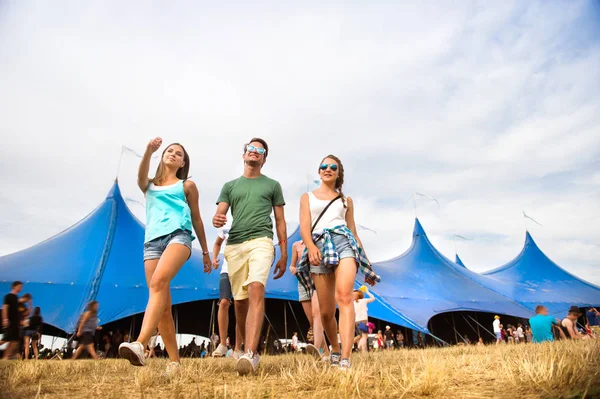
155	248
498	335
362	327
225	287
343	248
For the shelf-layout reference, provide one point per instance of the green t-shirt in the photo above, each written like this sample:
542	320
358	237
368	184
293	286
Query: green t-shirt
251	202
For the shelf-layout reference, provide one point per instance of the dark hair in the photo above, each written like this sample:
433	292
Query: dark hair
182	173
258	140
90	306
27	296
539	308
37	311
15	284
340	179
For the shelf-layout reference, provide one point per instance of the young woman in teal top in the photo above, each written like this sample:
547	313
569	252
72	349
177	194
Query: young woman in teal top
171	213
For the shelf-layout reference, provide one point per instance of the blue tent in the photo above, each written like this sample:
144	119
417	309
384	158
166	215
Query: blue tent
532	279
422	283
101	258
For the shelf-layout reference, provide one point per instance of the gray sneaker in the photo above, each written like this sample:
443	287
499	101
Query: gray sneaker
134	352
172	369
220	351
248	363
335	359
345	365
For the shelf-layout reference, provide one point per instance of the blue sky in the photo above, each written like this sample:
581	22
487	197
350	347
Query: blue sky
490	107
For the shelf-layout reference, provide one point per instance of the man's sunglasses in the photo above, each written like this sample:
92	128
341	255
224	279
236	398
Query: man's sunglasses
259	150
331	166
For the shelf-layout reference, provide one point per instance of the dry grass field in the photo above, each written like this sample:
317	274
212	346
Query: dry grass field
555	370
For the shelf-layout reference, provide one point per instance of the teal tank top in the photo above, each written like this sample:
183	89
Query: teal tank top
167	210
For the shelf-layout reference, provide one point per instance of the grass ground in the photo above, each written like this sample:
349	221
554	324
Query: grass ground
554	370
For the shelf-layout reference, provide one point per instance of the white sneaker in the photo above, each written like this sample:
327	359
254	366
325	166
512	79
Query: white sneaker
134	352
237	354
173	368
220	351
247	363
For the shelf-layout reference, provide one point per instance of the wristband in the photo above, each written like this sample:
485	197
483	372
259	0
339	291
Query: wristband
205	252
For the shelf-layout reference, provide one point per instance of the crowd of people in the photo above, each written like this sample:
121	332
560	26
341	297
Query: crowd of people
325	262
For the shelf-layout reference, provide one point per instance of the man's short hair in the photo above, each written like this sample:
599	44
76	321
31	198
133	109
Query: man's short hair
16	283
539	309
259	140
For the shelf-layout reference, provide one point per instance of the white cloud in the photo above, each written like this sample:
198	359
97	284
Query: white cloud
488	107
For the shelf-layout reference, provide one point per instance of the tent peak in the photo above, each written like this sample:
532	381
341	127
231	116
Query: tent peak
115	191
418	229
459	261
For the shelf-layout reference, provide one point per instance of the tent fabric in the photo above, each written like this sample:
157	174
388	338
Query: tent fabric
533	279
422	283
101	258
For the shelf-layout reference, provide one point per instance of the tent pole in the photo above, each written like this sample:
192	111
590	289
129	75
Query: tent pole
488	331
285	320
478	333
454	327
297	324
472	328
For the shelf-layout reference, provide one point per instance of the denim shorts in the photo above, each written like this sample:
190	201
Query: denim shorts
225	287
155	248
343	248
303	294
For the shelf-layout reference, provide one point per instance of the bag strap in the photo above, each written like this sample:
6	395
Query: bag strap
323	212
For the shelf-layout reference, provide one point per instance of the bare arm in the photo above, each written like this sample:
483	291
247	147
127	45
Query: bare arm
216	249
5	315
294	259
371	298
571	329
282	237
314	255
84	318
192	196
144	168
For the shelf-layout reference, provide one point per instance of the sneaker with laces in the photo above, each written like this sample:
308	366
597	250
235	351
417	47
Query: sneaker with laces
237	354
345	364
172	369
220	351
335	359
247	363
134	352
313	351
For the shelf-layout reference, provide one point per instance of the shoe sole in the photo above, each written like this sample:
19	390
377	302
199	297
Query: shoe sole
130	355
314	352
244	367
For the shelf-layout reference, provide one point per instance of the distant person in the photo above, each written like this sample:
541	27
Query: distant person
569	324
542	325
295	341
389	338
497	329
33	333
529	334
400	339
172	213
593	317
86	329
361	316
225	300
520	333
11	320
480	342
467	340
310	305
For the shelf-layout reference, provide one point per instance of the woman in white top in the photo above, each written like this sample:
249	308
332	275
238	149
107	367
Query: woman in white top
334	252
362	317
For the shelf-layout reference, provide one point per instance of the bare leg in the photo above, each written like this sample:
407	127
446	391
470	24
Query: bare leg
256	315
78	352
362	345
26	340
159	286
344	283
307	307
241	313
92	351
34	345
223	318
166	326
10	349
317	324
325	287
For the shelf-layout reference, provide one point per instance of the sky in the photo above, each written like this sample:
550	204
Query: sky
491	108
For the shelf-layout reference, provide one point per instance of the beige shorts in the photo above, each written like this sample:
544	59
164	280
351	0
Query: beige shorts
249	262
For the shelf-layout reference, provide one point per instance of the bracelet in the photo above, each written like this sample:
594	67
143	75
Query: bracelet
205	252
282	241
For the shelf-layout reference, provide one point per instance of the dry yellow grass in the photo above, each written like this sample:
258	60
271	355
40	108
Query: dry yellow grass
556	370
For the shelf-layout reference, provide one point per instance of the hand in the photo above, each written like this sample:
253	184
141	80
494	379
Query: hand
280	268
294	270
371	282
154	144
5	323
314	255
207	263
215	263
79	333
219	220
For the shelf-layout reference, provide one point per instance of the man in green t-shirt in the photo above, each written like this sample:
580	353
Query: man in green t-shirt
250	250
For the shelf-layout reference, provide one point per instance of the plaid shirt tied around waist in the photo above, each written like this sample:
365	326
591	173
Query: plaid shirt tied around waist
331	258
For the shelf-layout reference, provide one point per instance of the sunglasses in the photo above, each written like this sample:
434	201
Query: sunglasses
251	148
331	166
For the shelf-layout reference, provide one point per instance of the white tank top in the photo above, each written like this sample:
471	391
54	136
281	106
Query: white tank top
334	216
